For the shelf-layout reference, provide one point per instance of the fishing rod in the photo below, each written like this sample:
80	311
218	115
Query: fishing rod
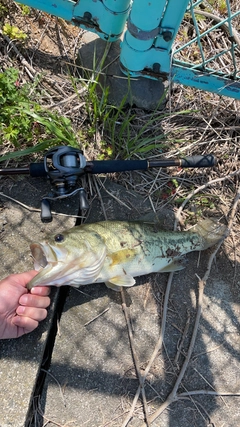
64	165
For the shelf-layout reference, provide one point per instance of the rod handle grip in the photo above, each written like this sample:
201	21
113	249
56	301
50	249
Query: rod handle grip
109	166
206	161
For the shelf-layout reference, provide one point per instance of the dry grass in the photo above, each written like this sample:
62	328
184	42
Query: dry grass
212	124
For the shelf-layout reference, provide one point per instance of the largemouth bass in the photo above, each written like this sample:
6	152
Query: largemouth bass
115	252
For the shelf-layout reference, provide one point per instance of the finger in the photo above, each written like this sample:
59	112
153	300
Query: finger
26	323
41	290
27	275
21	279
34	301
37	314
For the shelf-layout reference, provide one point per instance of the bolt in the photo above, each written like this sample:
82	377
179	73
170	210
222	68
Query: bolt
167	35
87	16
156	67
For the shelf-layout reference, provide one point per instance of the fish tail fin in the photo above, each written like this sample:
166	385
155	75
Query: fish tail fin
211	232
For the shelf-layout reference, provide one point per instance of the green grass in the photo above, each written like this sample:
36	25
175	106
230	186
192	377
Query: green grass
25	126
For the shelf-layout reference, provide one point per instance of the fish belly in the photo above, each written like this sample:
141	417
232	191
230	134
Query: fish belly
139	266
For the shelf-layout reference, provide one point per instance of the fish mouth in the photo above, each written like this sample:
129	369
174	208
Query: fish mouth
46	262
39	256
59	266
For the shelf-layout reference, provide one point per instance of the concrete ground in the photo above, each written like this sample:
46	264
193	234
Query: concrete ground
92	379
22	358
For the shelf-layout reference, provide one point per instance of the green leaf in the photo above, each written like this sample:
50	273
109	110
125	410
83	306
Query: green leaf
35	149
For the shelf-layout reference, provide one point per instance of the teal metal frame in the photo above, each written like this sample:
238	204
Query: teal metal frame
107	18
147	45
149	48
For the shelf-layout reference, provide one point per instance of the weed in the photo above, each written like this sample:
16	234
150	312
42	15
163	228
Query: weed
14	33
122	137
25	9
3	10
219	5
13	123
24	122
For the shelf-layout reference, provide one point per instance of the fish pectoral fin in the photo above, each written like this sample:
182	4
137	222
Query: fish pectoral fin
113	287
116	282
176	265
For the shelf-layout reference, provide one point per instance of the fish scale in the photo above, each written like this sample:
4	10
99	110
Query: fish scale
115	252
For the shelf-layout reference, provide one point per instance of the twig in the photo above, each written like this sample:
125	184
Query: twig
48	420
68	99
135	357
60	388
224	25
202	187
207	392
112	195
182	339
100	196
112	420
206	352
29	69
96	317
35	209
234	209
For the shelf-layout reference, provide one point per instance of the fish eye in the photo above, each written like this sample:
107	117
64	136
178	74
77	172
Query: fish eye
59	238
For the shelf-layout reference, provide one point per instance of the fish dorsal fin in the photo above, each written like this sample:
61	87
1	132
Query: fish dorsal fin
116	282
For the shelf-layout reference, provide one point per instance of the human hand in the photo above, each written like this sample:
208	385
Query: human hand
21	310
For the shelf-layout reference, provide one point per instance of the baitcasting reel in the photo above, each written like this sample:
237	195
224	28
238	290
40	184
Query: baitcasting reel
64	165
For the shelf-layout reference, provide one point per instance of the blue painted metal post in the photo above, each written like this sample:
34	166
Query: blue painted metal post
152	27
107	18
147	46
